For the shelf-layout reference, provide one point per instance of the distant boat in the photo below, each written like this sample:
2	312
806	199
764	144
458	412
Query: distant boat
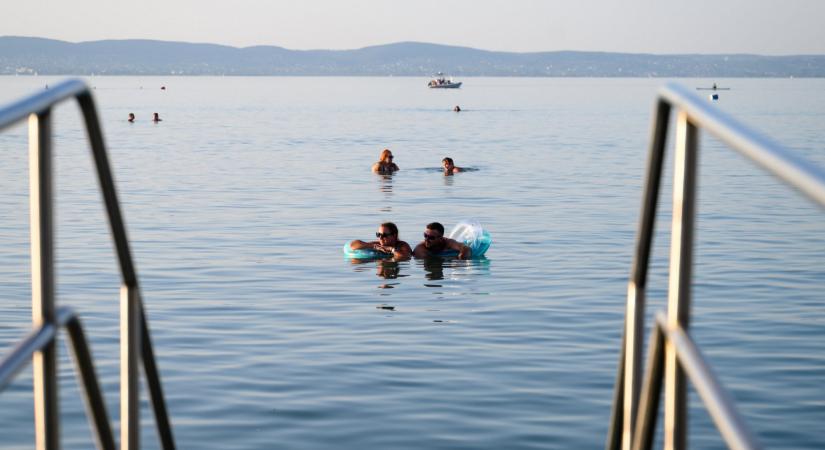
439	81
713	88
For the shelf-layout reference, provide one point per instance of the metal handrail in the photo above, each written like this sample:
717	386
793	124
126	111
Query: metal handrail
44	336
629	426
135	340
729	422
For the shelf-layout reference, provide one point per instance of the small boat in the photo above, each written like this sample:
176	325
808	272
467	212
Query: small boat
713	88
439	81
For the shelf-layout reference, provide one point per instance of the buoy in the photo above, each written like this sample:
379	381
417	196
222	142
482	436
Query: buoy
714	97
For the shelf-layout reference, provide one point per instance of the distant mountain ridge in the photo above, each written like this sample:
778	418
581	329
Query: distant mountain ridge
31	55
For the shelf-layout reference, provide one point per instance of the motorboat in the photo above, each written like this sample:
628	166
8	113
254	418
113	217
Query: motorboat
440	81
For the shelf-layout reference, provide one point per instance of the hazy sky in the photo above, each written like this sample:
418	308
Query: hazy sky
641	26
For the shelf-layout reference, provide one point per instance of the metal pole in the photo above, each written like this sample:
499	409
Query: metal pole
129	368
651	390
155	388
95	406
44	362
130	306
635	306
681	260
614	431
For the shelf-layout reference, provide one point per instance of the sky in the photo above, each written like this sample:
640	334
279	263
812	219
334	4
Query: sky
767	27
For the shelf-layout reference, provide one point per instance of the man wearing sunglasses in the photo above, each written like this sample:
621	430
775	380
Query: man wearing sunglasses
387	242
434	243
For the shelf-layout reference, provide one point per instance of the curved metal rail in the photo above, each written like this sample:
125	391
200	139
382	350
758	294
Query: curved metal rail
135	341
680	359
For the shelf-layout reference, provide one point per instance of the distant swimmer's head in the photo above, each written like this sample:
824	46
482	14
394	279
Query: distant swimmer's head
457	108
386	156
156	117
387	234
449	166
434	235
131	117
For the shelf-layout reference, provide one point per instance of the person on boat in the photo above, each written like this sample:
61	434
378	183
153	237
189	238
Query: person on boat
385	166
131	117
387	242
156	118
434	243
457	108
449	166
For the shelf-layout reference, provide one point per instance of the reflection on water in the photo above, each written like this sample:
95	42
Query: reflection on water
387	268
456	269
434	268
385	186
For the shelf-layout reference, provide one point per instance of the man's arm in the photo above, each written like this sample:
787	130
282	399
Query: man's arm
403	251
360	245
464	252
420	251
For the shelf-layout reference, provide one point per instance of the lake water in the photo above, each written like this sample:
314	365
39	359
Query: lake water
239	202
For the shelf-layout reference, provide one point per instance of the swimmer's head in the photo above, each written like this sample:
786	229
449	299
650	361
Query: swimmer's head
387	233
386	156
433	234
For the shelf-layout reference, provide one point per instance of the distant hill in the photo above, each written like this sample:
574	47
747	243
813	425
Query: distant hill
28	55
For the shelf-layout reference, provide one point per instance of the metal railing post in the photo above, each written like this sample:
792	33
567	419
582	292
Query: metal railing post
95	406
651	389
628	379
129	370
681	260
44	362
136	346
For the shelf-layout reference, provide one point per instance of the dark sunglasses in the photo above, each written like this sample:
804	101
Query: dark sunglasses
383	235
430	237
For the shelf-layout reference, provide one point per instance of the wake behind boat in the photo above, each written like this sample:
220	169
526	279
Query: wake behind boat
439	81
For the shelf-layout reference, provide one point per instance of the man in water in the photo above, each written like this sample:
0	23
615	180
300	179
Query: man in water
131	117
387	242
156	118
449	166
434	243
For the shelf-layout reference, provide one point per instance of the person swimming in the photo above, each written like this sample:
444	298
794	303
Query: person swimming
387	242
434	243
449	167
131	117
385	166
156	118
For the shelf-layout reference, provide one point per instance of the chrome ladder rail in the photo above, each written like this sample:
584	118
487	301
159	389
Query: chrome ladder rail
673	357
135	340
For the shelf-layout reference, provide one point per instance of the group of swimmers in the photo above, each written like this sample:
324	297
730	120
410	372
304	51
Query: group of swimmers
434	241
433	244
385	166
155	118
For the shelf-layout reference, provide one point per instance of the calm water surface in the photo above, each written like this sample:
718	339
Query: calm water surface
238	204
